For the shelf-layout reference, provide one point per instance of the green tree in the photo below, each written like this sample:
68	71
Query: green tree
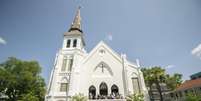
135	97
173	81
79	97
157	75
149	80
30	97
154	75
193	97
20	80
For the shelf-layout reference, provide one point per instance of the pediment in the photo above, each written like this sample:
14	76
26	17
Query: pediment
101	49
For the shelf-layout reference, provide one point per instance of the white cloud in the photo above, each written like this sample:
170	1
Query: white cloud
2	41
197	51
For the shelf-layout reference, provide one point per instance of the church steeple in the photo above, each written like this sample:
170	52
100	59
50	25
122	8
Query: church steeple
74	38
76	25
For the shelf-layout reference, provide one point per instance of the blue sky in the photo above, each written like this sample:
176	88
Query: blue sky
157	32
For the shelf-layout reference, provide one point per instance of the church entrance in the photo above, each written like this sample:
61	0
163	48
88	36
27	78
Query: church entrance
114	90
92	92
103	89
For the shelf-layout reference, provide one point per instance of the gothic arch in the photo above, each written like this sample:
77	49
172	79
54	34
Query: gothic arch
134	74
92	92
106	66
103	89
114	89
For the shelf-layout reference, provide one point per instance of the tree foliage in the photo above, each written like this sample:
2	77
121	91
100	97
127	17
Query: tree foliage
79	97
173	81
157	76
193	97
135	97
21	80
30	97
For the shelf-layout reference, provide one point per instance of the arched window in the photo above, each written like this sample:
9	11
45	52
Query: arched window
67	64
63	68
114	90
92	92
68	43
103	89
75	43
136	85
70	64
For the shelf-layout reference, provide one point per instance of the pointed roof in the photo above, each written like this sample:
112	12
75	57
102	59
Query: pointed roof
76	25
75	29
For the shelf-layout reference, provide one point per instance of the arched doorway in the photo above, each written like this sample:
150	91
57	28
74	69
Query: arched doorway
103	89
92	92
114	90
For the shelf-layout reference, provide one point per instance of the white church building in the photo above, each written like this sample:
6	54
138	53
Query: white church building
99	74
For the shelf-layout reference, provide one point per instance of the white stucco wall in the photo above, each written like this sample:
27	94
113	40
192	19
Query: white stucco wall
90	77
85	72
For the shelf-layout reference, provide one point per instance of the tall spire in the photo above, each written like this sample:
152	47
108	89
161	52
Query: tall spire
76	25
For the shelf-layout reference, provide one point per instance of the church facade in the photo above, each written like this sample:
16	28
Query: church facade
100	74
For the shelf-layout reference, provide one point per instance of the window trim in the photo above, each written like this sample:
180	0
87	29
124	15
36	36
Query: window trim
64	63
70	64
64	87
134	85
